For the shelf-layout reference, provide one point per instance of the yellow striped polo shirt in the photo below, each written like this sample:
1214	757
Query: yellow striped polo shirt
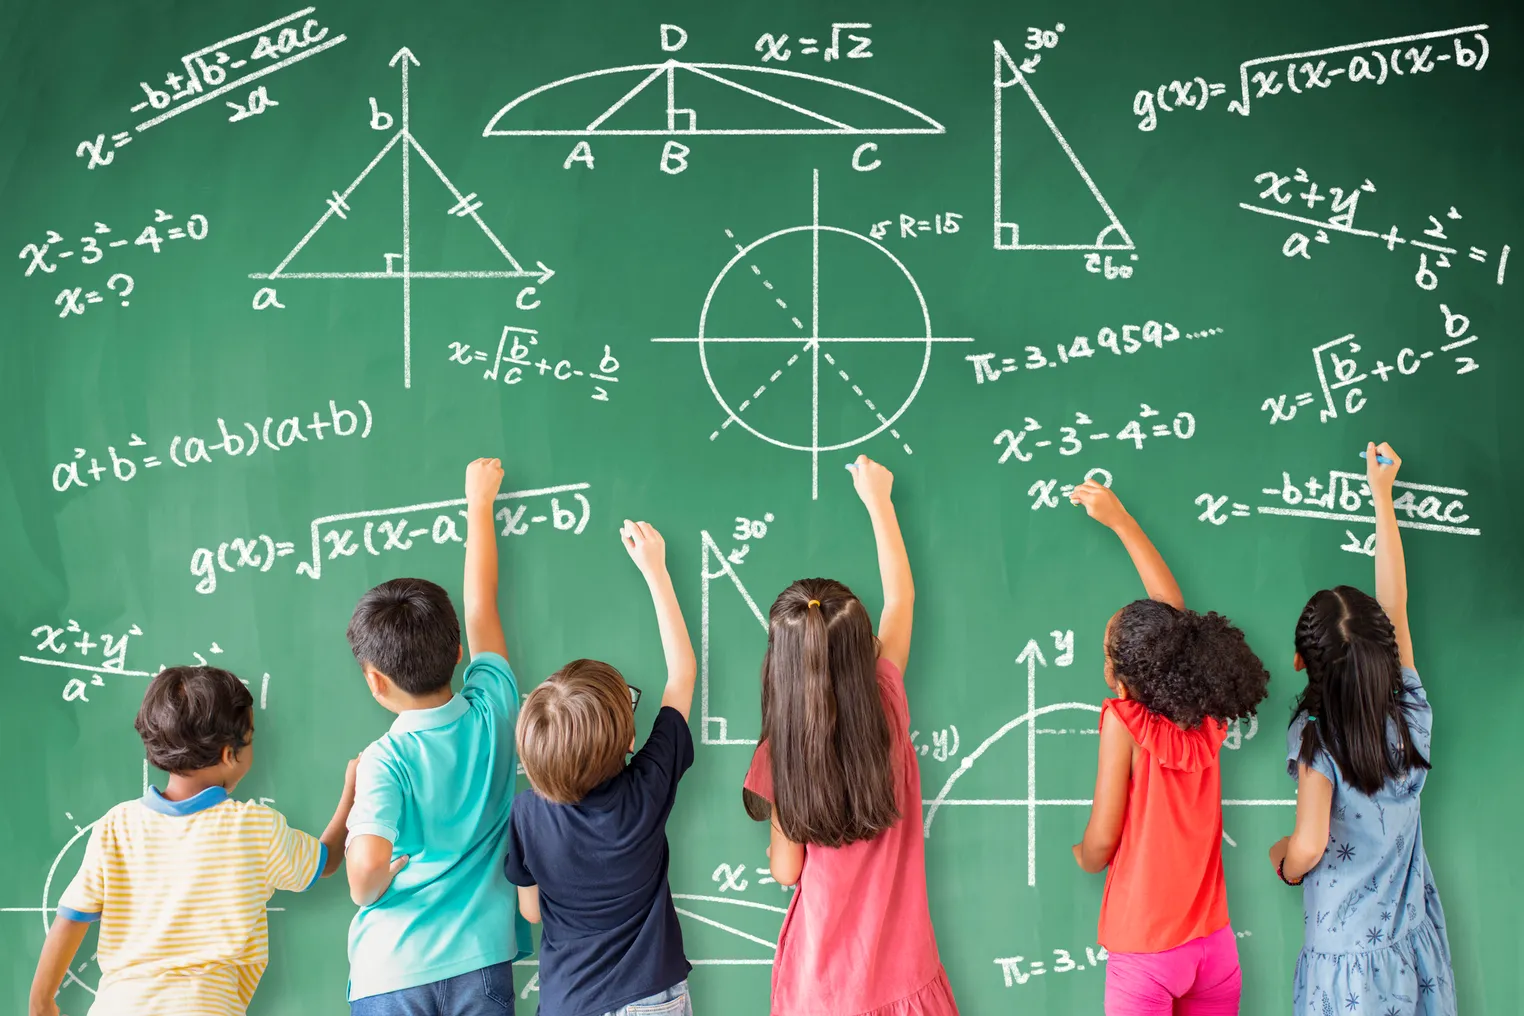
179	888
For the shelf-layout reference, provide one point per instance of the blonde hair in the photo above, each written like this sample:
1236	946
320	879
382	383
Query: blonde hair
575	730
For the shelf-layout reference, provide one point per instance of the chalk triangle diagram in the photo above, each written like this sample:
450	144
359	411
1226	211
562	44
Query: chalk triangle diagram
1112	235
713	567
677	97
368	215
684	98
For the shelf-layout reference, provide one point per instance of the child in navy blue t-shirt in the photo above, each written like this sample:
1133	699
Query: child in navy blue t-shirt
588	845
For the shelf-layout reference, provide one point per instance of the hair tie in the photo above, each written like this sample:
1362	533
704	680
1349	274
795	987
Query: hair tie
814	603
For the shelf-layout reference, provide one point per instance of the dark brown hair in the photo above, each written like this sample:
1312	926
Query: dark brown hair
575	730
1183	665
823	719
407	629
1354	689
189	714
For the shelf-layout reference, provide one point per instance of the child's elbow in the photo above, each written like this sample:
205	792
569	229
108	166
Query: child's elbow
362	889
1095	855
788	872
1305	855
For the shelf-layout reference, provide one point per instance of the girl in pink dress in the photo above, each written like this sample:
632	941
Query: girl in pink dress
836	776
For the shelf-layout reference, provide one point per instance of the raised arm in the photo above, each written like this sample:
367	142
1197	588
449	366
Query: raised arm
874	483
649	552
484	627
1391	569
1101	504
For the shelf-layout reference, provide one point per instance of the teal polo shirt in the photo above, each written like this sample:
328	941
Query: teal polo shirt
438	785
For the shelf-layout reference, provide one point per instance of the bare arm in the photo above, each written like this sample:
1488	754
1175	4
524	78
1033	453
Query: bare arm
529	903
484	626
333	836
1102	505
58	951
786	858
370	868
874	484
1113	774
1304	848
649	552
1391	569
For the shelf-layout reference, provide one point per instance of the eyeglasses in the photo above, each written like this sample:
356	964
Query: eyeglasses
634	696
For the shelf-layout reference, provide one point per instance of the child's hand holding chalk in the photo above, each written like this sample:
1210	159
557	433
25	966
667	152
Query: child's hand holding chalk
1381	465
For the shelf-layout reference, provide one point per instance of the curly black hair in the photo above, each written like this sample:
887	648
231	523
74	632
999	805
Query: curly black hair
1183	665
189	714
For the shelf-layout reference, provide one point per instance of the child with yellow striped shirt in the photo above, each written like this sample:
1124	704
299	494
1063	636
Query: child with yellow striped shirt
179	880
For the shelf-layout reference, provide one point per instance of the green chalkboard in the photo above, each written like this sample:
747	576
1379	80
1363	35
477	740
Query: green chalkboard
1207	252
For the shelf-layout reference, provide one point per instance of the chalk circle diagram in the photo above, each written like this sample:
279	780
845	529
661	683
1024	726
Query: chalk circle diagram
691	88
811	396
1112	236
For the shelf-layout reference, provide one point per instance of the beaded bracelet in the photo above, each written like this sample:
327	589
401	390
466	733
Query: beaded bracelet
1280	870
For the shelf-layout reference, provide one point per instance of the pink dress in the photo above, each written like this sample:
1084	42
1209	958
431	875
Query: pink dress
857	939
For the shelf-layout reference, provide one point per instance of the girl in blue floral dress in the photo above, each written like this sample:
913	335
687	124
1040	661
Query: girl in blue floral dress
1358	747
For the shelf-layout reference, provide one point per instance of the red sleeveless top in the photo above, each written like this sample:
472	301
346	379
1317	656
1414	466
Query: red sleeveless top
1165	885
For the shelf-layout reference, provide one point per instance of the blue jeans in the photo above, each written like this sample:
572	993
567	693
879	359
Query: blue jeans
484	992
672	1002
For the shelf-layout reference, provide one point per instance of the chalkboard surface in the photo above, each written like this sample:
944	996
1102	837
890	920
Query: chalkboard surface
1201	250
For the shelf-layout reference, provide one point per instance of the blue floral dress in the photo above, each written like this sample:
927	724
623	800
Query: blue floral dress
1375	941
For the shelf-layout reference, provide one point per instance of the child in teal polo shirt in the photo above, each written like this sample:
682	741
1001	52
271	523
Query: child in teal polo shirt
437	930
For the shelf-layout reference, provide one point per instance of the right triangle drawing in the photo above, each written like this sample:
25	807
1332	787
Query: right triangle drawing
1050	219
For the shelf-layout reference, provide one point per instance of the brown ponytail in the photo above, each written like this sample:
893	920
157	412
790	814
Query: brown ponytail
823	719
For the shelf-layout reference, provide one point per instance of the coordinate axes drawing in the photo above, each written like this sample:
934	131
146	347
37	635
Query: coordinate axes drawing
685	121
1112	237
467	206
811	346
1032	657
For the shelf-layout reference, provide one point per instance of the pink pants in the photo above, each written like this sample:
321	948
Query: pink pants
1200	978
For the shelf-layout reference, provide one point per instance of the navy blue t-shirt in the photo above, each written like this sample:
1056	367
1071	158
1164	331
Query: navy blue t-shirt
609	933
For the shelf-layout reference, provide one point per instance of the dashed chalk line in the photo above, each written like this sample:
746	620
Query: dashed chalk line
777	373
866	401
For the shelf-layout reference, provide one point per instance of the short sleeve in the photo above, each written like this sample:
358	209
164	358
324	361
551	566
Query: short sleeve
666	755
295	860
1322	761
759	778
1417	711
489	677
85	897
378	799
516	864
892	685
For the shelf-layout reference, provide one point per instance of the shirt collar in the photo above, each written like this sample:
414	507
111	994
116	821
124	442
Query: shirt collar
153	800
428	719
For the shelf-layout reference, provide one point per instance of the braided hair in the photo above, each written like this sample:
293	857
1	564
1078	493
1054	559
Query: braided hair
1183	665
1354	689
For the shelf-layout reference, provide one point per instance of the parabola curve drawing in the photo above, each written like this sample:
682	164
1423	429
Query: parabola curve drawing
685	121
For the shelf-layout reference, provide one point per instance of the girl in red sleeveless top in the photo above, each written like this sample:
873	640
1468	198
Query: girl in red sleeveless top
836	775
1156	820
